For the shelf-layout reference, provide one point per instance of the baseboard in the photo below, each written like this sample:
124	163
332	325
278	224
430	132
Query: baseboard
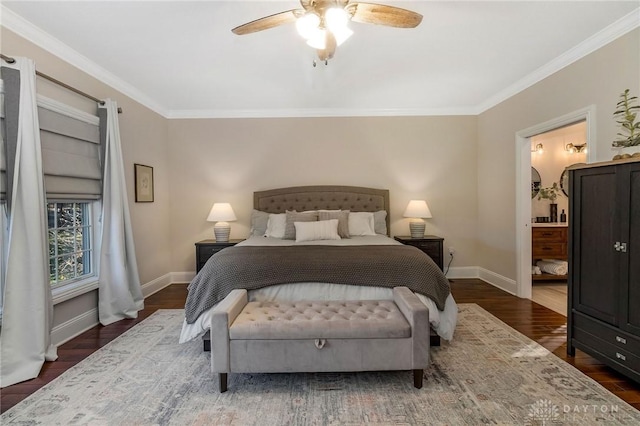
497	280
182	277
66	331
156	285
462	272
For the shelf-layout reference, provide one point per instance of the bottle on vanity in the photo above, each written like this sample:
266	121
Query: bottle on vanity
563	216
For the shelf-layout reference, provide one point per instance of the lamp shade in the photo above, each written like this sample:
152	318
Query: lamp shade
221	212
417	208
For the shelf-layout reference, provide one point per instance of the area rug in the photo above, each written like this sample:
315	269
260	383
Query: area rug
488	374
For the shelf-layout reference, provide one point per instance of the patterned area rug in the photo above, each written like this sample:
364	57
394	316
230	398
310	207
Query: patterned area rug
489	374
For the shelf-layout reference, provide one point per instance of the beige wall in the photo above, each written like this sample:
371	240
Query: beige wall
144	140
596	79
217	160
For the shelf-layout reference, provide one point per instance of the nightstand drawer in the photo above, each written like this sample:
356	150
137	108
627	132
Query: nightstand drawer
432	249
207	248
205	252
431	245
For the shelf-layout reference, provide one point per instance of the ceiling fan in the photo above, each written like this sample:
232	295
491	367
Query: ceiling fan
323	23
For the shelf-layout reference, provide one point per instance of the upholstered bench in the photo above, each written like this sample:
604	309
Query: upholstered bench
319	336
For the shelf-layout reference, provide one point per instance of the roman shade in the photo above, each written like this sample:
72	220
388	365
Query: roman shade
70	152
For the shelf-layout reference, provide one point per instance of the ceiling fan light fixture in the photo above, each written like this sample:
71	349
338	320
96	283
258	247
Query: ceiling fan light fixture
308	25
318	40
342	35
336	19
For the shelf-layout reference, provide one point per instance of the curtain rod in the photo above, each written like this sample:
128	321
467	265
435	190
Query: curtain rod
60	83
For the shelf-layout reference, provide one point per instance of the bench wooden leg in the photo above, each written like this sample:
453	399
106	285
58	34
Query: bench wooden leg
417	378
223	382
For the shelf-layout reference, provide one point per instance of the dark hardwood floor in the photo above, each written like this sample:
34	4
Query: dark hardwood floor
535	321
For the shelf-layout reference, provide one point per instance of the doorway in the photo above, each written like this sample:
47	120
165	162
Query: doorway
551	153
524	205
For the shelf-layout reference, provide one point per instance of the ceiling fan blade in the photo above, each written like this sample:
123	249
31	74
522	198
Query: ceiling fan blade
268	22
369	13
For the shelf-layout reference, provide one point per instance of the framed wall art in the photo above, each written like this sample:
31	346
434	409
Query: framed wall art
144	183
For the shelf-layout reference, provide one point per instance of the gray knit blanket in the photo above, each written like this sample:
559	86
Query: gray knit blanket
253	267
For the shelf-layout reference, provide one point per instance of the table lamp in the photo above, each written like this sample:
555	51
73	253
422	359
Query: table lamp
221	213
417	210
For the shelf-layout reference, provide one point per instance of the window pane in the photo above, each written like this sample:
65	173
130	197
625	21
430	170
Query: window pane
65	215
65	241
66	268
52	270
51	215
86	263
52	243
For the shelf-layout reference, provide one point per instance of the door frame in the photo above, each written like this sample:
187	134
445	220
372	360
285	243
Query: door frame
523	186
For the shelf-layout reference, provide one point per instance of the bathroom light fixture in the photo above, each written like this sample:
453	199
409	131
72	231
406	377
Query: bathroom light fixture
221	213
417	210
539	149
572	149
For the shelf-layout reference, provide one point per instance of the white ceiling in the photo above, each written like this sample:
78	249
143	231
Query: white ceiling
181	59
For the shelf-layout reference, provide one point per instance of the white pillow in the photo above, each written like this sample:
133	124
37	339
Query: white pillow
361	223
318	230
276	225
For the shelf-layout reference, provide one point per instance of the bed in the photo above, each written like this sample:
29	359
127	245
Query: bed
368	216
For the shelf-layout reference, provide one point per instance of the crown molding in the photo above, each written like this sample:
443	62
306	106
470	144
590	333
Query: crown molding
46	41
617	29
318	112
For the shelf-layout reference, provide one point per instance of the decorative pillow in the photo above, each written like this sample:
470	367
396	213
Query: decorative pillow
380	222
361	223
319	230
343	220
259	222
275	225
294	216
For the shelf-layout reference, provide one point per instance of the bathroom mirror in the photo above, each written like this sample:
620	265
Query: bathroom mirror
535	182
564	180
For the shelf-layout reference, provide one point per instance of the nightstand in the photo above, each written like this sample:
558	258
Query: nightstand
430	244
207	248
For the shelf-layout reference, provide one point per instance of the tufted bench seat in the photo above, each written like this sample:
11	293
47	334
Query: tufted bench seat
315	336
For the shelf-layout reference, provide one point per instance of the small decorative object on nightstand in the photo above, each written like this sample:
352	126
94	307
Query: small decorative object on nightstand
417	210
207	248
430	244
221	213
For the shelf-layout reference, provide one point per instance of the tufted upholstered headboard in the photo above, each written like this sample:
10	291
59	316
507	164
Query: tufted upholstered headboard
323	197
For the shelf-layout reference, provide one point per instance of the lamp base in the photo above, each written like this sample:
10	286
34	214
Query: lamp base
416	227
222	231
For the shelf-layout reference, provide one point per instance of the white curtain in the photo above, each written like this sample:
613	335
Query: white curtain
25	339
119	294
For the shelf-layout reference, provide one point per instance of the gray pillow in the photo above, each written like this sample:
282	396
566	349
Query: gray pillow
343	221
380	222
294	216
259	221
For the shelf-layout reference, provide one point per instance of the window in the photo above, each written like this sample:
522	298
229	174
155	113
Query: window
70	242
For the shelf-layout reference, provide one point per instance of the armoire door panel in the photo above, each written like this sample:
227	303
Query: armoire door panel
597	294
630	311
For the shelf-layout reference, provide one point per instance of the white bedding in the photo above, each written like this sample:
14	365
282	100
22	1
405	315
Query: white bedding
443	322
